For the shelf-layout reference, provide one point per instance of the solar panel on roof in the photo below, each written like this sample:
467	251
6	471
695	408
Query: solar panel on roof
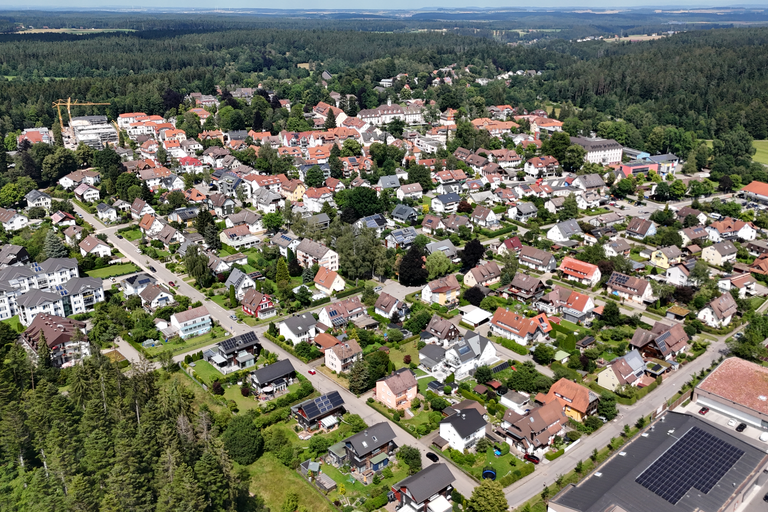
463	350
698	459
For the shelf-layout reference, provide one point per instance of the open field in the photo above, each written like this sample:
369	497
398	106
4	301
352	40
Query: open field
273	482
761	156
113	270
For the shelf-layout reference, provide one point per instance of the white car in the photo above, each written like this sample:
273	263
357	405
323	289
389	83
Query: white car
732	423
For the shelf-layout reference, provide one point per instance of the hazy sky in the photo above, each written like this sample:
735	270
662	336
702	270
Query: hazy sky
357	4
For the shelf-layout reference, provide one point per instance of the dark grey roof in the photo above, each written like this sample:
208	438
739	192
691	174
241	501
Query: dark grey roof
238	343
427	482
103	207
55	264
449	198
373	437
273	372
526	207
374	221
403	212
10	254
34	195
569	228
140	279
389	182
404	236
35	297
300	323
442	245
466	422
315	408
616	485
80	284
236	277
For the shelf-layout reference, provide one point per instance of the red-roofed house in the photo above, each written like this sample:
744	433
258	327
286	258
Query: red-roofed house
580	271
512	326
328	281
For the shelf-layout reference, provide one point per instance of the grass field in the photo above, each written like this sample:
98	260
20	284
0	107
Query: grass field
761	156
131	235
14	323
190	344
113	270
273	481
411	349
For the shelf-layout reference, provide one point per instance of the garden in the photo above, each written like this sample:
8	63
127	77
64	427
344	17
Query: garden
178	345
507	466
113	271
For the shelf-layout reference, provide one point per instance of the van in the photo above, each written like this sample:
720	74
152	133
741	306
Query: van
715	216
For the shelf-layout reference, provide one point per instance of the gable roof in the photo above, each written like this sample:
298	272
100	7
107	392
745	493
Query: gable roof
427	482
723	306
444	284
466	422
386	303
639	226
567	392
486	272
372	438
400	381
534	255
578	268
273	371
569	228
325	277
627	284
191	314
90	243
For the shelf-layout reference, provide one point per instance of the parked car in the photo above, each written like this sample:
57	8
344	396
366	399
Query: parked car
152	268
312	372
171	284
765	498
703	410
119	236
378	289
431	456
531	458
742	427
732	423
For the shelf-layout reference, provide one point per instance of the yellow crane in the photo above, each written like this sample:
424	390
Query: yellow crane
69	103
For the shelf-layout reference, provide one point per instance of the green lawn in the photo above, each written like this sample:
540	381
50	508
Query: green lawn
131	235
206	373
219	299
423	384
273	481
571	326
761	156
411	349
244	403
757	301
196	343
14	323
113	270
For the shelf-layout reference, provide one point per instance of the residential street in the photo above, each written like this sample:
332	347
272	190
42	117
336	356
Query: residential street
516	494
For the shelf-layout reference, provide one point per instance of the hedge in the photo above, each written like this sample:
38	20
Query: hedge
320	302
472	396
570	373
285	346
570	339
375	503
502	231
553	455
517	474
513	346
352	291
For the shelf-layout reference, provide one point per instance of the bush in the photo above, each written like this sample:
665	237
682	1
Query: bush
216	388
553	455
574	435
375	503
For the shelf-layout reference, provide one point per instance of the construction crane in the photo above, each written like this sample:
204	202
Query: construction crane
69	103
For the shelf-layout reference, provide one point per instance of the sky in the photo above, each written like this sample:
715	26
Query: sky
377	5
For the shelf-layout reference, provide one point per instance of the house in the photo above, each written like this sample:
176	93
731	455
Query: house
377	222
640	228
522	287
328	281
623	371
577	401
719	312
192	322
38	199
308	253
617	247
387	305
600	151
485	217
523	211
285	243
397	390
463	429
221	205
13	255
339	314
340	358
411	191
744	283
469	353
151	225
441	331
368	451
65	338
170	235
730	229
404	214
443	291
563	231
299	328
73	179
533	433
106	213
541	166
510	245
93	246
537	259
273	378
239	237
431	357
512	326
187	216
446	203
427	491
580	271
629	288
445	246
258	305
607	219
58	219
154	296
140	208
694	234
667	256
87	193
454	222
235	353
13	221
135	284
685	211
401	238
679	275
73	234
662	341
431	223
486	274
241	281
719	254
757	191
574	306
323	410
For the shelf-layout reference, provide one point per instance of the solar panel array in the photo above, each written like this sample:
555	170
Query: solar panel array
500	367
661	341
62	291
619	278
231	344
323	404
698	459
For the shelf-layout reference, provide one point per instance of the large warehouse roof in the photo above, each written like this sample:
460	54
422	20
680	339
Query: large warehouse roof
741	382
